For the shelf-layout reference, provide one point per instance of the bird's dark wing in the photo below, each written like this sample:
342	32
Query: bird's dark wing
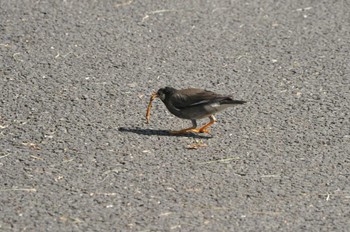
194	97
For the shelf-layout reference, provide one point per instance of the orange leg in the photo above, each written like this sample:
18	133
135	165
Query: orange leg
203	129
187	130
183	131
193	129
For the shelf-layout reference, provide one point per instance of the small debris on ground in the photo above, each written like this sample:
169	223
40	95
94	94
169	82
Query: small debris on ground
196	145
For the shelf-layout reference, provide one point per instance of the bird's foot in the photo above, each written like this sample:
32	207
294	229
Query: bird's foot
200	130
190	130
203	131
181	132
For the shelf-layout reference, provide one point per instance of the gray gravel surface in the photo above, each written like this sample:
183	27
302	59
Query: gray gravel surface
77	155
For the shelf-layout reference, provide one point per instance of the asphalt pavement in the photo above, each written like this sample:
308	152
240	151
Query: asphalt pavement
77	155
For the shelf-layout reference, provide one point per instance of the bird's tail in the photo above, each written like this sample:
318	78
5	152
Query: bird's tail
233	102
238	102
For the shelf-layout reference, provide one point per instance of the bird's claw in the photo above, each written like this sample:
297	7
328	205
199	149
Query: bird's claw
185	131
203	131
180	132
174	132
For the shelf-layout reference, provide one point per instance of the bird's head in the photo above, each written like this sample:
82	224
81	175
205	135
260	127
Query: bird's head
164	93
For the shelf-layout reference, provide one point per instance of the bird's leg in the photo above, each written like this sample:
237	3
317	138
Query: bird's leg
203	129
187	130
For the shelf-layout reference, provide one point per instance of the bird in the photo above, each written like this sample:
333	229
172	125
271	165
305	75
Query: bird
192	104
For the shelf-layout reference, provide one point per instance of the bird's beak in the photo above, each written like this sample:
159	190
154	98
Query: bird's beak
148	113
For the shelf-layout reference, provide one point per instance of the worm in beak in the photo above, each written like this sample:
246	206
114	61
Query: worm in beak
148	113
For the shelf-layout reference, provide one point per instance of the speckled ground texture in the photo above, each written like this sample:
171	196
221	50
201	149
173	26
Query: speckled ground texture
77	155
